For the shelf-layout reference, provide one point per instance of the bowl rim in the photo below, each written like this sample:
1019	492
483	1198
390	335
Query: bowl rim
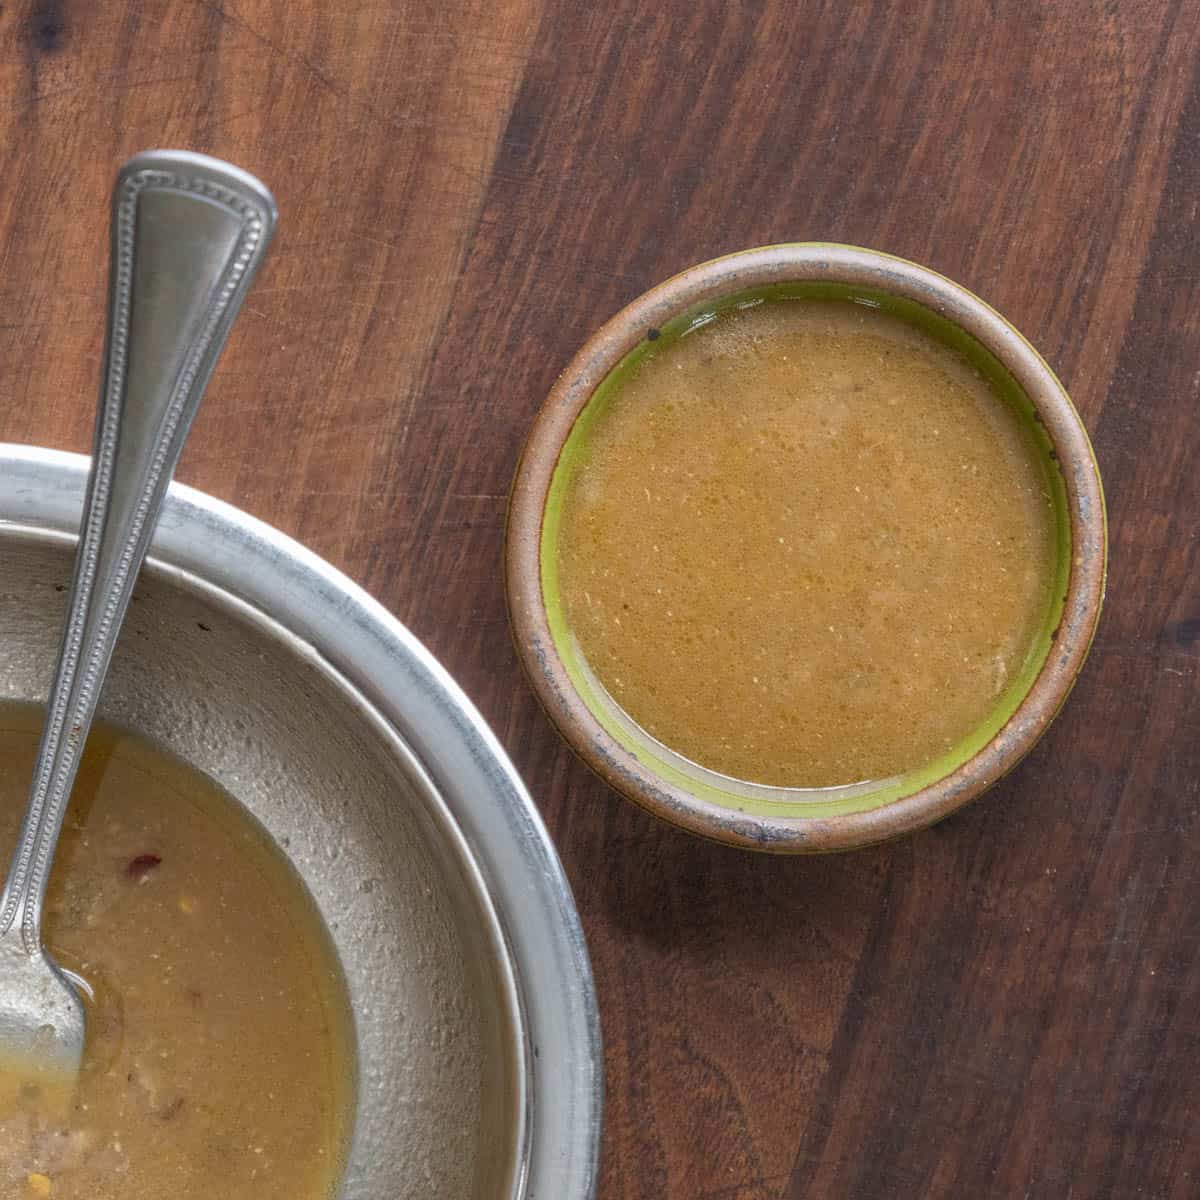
560	1077
720	278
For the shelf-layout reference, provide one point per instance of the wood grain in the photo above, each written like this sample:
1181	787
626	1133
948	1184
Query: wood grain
1007	1005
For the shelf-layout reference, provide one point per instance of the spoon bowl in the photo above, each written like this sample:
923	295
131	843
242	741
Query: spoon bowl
41	1027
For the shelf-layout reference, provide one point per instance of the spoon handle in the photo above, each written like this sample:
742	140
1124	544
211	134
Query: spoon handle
188	235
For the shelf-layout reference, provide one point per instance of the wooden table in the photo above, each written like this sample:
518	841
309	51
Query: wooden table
1007	1005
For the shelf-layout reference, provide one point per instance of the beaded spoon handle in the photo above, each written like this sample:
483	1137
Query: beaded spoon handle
188	235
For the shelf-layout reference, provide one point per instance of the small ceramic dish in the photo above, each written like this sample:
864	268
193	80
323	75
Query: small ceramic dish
795	820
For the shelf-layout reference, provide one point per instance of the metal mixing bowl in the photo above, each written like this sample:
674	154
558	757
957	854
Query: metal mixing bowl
267	669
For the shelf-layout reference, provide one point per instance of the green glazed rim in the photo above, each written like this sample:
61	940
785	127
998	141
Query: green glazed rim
803	819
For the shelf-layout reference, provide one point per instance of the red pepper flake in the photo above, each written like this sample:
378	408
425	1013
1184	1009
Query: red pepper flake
139	868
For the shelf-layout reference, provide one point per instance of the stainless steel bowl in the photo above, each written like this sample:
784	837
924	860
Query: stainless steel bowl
263	666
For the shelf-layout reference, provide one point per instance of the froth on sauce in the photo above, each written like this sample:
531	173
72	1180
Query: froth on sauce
218	1052
806	545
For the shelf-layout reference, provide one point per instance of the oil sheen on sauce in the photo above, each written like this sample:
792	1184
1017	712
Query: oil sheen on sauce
807	545
218	1056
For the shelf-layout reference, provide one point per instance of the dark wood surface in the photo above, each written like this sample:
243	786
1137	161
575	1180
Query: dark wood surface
1007	1005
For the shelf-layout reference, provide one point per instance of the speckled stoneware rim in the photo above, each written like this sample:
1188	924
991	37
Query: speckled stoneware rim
808	262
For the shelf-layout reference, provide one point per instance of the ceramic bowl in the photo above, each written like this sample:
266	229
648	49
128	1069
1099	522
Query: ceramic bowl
796	820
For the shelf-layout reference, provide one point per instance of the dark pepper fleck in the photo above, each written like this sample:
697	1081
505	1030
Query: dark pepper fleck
139	868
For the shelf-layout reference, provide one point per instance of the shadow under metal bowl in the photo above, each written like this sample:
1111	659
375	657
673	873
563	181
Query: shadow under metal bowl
253	660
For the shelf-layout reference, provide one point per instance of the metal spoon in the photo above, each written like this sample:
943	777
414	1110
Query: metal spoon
188	235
